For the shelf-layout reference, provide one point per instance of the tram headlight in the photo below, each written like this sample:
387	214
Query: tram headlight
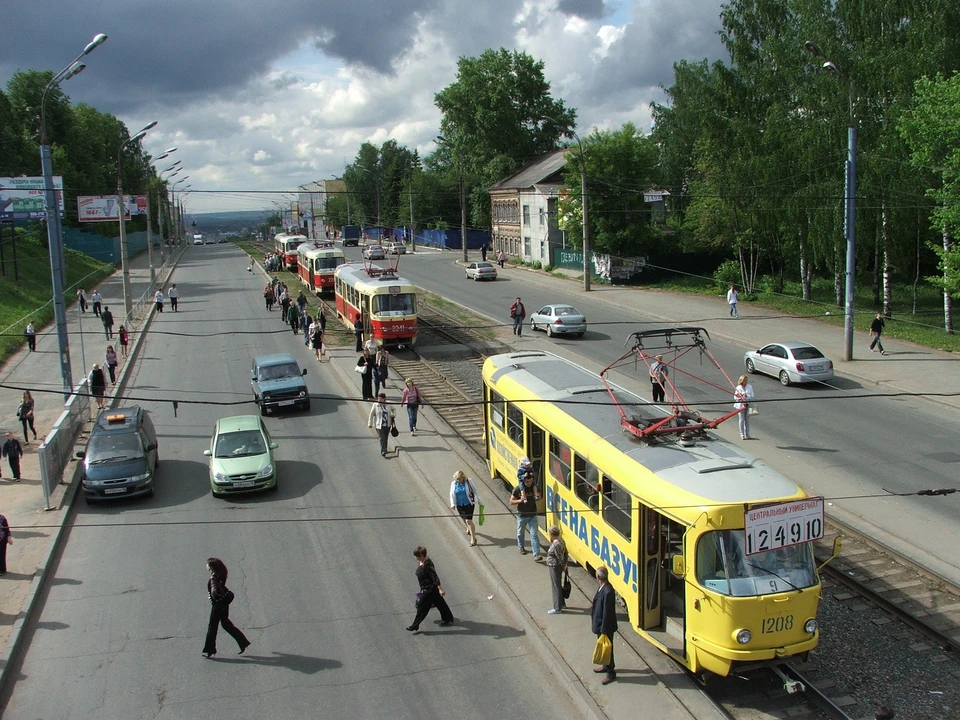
810	626
744	636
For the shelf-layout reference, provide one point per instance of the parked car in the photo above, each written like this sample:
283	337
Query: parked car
241	456
121	455
481	271
791	362
395	248
278	382
374	252
559	320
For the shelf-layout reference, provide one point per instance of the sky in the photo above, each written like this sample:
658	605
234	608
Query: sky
261	97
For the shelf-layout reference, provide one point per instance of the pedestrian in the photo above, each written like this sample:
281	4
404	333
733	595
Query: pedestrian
111	362
284	306
13	451
464	499
412	400
268	297
316	340
483	252
220	599
658	378
526	496
31	334
98	384
383	418
307	324
557	559
876	330
82	298
381	369
732	298
365	362
322	318
302	302
293	317
523	468
174	296
431	593
358	332
158	299
97	299
6	538
25	413
518	312
106	317
501	258
603	616
743	396
124	340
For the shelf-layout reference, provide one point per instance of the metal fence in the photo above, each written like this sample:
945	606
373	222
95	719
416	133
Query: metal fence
57	447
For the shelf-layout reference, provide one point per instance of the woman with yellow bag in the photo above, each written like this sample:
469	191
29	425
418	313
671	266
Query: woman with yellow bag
603	614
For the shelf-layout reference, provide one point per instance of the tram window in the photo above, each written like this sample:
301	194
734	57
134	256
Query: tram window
401	304
724	567
515	424
328	263
560	461
617	508
497	418
586	476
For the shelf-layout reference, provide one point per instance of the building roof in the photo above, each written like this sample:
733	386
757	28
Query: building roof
538	171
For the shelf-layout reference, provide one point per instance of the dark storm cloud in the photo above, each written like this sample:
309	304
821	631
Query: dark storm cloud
587	9
174	52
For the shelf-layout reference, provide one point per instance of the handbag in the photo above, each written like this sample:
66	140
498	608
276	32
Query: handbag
480	514
362	369
567	586
225	599
603	650
9	539
393	431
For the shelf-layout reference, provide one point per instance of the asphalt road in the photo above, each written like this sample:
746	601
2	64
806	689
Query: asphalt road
842	449
323	573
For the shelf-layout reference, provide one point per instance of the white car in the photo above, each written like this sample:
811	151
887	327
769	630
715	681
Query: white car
395	248
790	362
481	271
374	252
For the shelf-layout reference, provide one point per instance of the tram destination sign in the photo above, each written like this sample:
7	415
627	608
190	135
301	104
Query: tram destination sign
778	526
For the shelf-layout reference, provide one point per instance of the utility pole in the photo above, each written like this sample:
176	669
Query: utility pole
413	232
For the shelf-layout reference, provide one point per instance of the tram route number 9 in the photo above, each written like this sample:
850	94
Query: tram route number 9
779	526
776	624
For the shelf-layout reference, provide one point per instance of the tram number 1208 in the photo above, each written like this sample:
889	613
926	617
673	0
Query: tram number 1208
777	624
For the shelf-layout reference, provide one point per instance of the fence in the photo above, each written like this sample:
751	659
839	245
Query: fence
104	249
57	448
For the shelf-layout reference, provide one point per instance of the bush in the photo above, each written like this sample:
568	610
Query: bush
727	274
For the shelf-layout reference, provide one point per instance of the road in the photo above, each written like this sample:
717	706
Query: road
323	568
842	449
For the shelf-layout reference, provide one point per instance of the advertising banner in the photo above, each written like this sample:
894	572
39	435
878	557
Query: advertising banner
22	198
97	208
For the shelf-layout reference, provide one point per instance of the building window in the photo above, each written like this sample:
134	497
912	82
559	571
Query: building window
526	246
543	217
526	216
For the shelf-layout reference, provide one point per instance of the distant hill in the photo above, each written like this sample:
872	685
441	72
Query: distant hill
235	221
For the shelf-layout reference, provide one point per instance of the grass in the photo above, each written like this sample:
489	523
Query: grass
28	296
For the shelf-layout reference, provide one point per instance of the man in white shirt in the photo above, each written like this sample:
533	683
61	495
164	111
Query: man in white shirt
174	296
733	297
158	297
382	417
97	299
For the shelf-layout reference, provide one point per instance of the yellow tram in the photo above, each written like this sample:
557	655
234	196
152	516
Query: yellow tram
669	516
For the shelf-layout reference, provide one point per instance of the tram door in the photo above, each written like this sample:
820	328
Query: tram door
651	563
536	441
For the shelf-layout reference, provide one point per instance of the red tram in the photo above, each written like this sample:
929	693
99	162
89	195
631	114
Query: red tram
386	302
286	248
316	264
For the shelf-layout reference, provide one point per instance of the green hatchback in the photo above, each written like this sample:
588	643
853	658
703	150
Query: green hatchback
241	457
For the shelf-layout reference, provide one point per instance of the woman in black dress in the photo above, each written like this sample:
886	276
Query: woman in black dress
220	599
98	384
431	593
25	413
366	377
316	341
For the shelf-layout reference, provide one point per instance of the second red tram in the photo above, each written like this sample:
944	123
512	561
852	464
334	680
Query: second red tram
286	248
316	264
386	303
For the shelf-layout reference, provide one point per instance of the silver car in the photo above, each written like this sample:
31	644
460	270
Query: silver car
559	320
791	362
395	248
374	252
481	271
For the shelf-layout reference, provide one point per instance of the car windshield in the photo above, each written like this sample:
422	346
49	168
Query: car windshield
278	372
400	304
113	447
807	353
240	444
724	567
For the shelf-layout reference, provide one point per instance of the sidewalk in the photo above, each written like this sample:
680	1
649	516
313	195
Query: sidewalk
34	528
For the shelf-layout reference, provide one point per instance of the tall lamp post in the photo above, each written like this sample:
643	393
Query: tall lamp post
52	207
161	212
463	198
850	199
122	212
150	161
583	201
178	225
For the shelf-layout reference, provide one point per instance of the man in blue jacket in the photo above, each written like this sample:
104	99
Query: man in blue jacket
603	614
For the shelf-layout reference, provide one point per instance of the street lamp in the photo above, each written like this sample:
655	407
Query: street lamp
160	204
52	211
122	211
463	198
179	223
850	198
583	202
150	161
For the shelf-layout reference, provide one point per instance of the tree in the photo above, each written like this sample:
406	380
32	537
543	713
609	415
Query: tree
377	183
498	115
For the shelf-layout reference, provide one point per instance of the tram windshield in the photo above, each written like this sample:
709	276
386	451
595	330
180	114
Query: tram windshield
399	304
724	566
329	263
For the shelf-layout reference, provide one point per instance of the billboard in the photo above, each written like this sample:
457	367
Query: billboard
97	208
22	198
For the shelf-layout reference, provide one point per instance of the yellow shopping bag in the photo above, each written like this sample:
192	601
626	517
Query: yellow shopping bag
603	651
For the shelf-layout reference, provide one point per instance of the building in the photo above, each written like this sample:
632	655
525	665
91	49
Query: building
312	205
523	209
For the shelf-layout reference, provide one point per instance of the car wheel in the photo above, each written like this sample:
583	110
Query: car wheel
156	463
784	378
306	405
750	367
150	494
263	409
549	331
533	326
218	496
88	500
274	487
580	335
